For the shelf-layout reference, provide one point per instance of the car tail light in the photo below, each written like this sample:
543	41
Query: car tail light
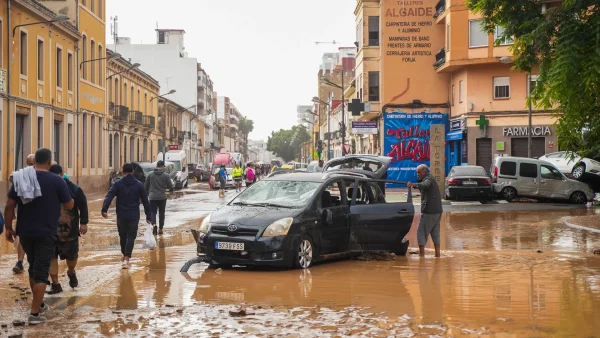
453	182
495	174
485	181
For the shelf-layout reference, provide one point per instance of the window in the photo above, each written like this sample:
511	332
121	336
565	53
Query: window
40	132
161	37
461	91
139	97
452	95
70	72
373	31
124	102
146	103
100	144
359	35
550	173
92	7
478	37
23	59
331	197
447	37
110	151
508	168
373	86
93	141
131	107
59	71
70	144
40	60
100	66
85	57
57	144
85	143
1	44
498	33
124	149
533	80
93	57
100	9
502	87
528	170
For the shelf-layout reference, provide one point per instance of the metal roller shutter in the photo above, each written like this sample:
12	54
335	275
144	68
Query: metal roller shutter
483	155
518	146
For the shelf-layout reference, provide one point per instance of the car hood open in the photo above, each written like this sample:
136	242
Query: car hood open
251	216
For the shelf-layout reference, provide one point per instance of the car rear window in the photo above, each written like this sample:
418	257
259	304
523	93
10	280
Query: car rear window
466	171
528	170
508	168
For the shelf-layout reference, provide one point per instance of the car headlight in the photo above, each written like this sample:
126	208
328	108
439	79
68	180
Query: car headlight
205	225
279	228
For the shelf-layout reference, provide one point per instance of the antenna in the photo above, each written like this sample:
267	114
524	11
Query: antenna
114	29
327	42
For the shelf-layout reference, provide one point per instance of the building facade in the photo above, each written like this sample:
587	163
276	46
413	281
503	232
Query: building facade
133	114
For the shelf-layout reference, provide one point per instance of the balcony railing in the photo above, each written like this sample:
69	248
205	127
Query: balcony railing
135	117
149	121
122	113
439	8
440	58
111	107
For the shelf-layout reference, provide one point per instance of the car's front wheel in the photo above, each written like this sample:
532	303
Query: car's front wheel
509	193
305	253
578	197
578	172
402	247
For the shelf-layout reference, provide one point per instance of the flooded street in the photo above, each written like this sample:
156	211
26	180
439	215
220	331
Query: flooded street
502	273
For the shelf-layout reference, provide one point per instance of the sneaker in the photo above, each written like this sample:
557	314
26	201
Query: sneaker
34	320
154	230
73	282
125	264
44	308
18	268
54	289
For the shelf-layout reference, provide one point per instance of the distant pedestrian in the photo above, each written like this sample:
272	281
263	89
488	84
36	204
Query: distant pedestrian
431	209
18	268
250	175
37	226
129	191
71	225
237	177
222	178
319	168
157	183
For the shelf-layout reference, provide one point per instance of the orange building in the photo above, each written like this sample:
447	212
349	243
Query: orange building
419	54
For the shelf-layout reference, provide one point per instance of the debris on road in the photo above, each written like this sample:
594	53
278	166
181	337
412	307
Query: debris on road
376	256
18	323
539	251
597	252
240	312
219	271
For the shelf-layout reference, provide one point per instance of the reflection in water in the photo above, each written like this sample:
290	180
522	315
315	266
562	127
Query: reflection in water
157	273
127	296
431	290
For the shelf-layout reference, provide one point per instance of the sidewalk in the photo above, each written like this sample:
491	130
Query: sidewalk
590	222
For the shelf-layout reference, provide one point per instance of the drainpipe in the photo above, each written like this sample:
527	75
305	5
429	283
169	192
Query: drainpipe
8	38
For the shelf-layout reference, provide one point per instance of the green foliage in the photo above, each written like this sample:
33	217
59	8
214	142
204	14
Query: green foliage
565	42
285	143
246	127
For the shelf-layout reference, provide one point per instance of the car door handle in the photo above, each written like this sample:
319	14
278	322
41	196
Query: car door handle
403	211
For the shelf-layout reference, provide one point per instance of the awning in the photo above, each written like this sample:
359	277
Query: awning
454	135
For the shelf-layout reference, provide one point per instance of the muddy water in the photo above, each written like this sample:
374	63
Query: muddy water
491	281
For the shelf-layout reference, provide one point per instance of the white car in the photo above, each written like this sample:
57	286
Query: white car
571	163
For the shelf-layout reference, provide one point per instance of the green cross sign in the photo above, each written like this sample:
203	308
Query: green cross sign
482	122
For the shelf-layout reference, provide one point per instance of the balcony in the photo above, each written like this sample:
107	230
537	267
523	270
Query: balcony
135	117
440	8
173	133
194	138
111	107
122	113
440	58
149	121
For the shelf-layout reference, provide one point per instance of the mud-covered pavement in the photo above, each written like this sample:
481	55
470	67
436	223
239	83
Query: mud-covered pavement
502	273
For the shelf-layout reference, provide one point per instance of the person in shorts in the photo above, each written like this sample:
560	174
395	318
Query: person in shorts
431	209
222	177
37	226
237	177
72	224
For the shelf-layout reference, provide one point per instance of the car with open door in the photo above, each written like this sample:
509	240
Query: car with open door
296	220
373	166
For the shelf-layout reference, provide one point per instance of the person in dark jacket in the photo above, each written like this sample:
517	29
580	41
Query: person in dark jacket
129	191
156	184
431	209
72	224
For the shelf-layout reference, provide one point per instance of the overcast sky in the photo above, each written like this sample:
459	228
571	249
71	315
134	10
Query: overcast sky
261	54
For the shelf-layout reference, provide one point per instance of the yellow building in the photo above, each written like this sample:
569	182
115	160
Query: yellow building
132	125
38	90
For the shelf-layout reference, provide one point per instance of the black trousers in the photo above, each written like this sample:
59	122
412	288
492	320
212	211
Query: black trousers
158	206
40	251
127	233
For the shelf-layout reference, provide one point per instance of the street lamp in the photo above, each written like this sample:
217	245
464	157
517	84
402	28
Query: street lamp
134	66
58	18
172	91
507	60
327	82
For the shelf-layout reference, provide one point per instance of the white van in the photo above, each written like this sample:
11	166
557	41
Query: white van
526	177
179	159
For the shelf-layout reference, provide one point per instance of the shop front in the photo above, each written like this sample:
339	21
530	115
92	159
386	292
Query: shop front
457	143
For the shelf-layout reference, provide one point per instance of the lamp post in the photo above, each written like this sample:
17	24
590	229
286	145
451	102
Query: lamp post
317	100
327	82
58	18
508	60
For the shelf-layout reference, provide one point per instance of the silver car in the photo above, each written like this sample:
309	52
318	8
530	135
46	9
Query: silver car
518	176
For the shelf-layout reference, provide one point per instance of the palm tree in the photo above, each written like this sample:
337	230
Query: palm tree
246	127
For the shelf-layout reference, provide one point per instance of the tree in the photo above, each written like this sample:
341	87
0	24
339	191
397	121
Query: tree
565	42
246	127
285	143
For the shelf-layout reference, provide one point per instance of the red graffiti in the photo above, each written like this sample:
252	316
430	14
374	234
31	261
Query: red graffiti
411	132
415	150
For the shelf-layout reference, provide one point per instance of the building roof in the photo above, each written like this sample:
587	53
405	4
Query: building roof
66	24
169	30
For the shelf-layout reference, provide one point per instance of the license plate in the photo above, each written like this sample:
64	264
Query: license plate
229	246
469	183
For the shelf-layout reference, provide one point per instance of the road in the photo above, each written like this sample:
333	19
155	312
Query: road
505	268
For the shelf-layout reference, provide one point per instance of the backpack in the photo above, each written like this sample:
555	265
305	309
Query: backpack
250	174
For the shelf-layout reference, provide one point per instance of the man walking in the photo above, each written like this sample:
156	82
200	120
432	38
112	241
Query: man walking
129	191
18	268
431	209
69	230
156	185
37	226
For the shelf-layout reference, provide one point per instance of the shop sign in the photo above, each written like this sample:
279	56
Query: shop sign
364	127
173	147
522	131
457	125
93	99
2	80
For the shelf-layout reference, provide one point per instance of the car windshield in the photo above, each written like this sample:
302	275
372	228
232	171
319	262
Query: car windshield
177	165
285	194
466	171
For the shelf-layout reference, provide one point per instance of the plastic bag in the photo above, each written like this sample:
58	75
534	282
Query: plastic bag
149	240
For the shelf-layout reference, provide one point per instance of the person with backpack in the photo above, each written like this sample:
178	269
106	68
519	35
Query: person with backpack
71	224
250	175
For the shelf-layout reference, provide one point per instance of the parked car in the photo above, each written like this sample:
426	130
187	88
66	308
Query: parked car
138	173
465	182
179	159
295	220
571	163
538	179
202	173
372	166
